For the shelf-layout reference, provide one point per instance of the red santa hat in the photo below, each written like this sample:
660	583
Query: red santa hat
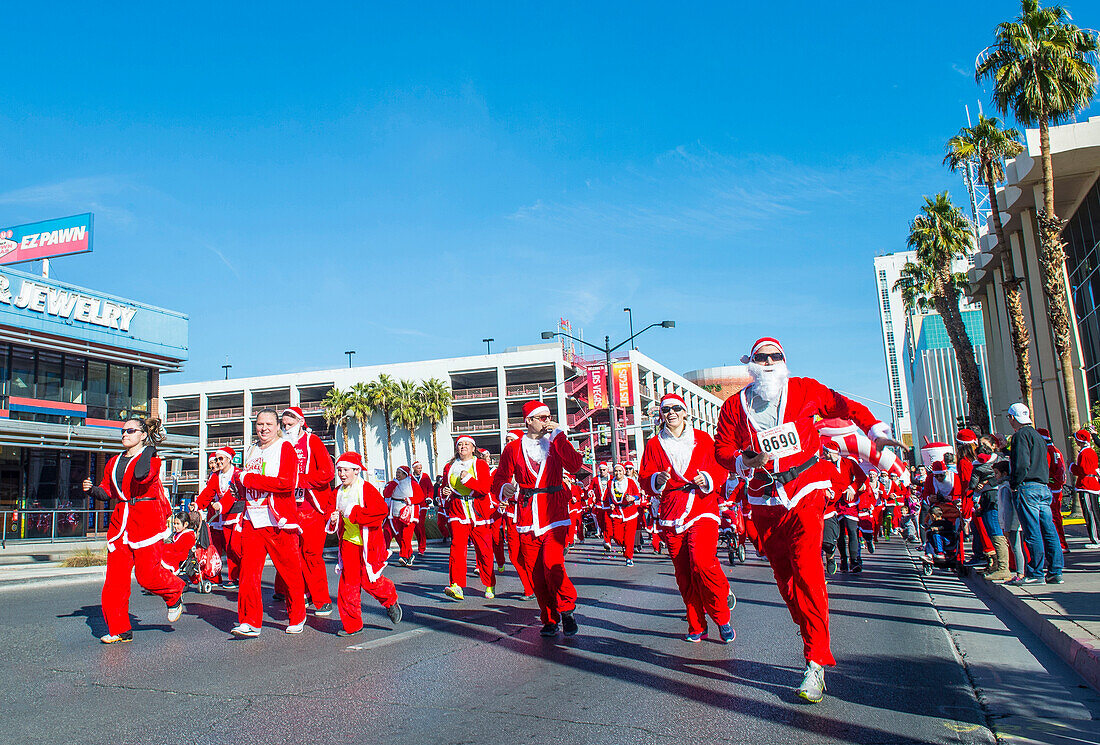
966	437
465	438
350	459
535	408
513	434
939	468
417	463
227	451
294	411
1044	433
1083	436
403	469
605	463
831	445
762	342
670	399
628	464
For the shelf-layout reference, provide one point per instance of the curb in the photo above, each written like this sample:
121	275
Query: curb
53	576
1081	654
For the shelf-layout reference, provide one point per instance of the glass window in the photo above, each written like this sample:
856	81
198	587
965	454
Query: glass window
140	397
73	386
118	391
48	379
22	372
97	389
5	368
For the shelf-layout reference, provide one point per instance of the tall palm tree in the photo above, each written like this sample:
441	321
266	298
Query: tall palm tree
436	396
1043	71
987	144
361	408
382	396
336	411
409	411
940	234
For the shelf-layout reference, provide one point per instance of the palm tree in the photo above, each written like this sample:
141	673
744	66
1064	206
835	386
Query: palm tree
436	396
361	408
940	234
382	396
409	410
1043	71
988	145
336	411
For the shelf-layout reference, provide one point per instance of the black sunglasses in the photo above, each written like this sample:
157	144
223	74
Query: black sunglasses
672	408
765	357
131	430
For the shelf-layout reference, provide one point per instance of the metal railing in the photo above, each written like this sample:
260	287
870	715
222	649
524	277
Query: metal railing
475	425
173	417
189	475
232	412
469	394
529	389
52	524
311	408
234	442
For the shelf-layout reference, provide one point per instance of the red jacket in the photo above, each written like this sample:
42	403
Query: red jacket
802	400
413	501
1085	470
681	502
315	473
369	516
275	490
543	502
140	516
218	502
621	507
848	473
1056	466
177	550
476	508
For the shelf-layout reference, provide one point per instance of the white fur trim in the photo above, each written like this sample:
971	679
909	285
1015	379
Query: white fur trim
879	429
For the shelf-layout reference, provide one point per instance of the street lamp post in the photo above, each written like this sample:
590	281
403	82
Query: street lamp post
607	349
349	353
226	367
488	345
630	315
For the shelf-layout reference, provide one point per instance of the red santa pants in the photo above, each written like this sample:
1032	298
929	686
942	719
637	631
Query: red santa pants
482	537
311	550
145	565
403	532
1056	514
792	541
603	521
544	558
282	546
444	524
513	555
703	584
623	532
574	527
227	541
355	580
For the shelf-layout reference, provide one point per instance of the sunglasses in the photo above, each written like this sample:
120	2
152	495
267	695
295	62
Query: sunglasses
131	430
666	409
764	358
542	417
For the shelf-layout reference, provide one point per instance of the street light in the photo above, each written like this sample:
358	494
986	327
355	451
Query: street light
607	349
488	345
630	315
349	353
226	367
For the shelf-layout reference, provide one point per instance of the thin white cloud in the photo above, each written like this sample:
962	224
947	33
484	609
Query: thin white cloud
962	70
225	261
83	194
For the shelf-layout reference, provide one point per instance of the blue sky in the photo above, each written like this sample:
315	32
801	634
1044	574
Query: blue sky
404	181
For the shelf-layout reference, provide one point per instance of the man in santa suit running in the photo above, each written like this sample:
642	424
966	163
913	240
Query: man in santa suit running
223	512
425	483
316	501
766	434
403	497
679	472
530	474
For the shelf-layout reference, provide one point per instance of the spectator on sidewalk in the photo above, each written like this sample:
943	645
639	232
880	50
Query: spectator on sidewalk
1029	477
1010	523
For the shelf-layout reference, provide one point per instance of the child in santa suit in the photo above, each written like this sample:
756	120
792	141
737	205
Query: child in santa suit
622	497
178	548
530	476
223	512
403	495
360	512
766	434
679	471
466	484
137	528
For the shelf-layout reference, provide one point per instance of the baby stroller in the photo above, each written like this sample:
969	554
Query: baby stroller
731	534
204	564
944	545
589	527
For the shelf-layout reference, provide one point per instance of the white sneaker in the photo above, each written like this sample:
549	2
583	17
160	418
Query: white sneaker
245	630
175	611
296	628
813	683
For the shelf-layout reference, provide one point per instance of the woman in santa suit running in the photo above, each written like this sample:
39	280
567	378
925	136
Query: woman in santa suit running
679	470
466	485
364	547
138	527
622	497
223	512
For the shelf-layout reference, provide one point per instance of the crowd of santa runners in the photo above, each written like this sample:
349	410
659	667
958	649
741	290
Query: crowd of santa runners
803	474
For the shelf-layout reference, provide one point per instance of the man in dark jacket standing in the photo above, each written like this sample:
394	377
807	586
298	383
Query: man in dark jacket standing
1028	477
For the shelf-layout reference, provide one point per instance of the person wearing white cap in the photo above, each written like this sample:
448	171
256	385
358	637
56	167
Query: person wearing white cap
364	549
466	483
767	434
530	475
1030	478
224	510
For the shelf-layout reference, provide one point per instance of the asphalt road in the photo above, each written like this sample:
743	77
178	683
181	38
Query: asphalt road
479	672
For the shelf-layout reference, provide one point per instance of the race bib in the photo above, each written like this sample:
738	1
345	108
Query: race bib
780	441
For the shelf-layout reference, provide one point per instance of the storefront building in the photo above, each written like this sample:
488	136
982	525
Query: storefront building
74	363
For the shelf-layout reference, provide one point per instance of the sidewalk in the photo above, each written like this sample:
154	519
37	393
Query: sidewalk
1066	617
24	563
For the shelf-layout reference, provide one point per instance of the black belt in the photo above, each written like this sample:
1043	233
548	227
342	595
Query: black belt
142	499
785	477
527	493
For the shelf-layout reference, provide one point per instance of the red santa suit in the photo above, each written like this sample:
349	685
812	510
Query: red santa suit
1086	474
1056	468
135	535
403	497
426	491
622	497
177	550
223	516
269	528
597	490
788	494
542	512
578	502
687	516
470	511
364	549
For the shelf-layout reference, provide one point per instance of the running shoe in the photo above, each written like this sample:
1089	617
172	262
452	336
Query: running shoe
727	633
813	683
395	613
125	636
296	628
341	632
1055	579
696	637
245	630
454	592
549	629
830	565
324	610
569	624
230	585
489	594
630	562
175	611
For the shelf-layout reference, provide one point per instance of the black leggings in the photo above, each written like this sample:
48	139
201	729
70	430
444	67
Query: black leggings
849	542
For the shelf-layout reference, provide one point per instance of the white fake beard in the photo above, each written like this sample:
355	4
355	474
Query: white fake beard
768	382
293	433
